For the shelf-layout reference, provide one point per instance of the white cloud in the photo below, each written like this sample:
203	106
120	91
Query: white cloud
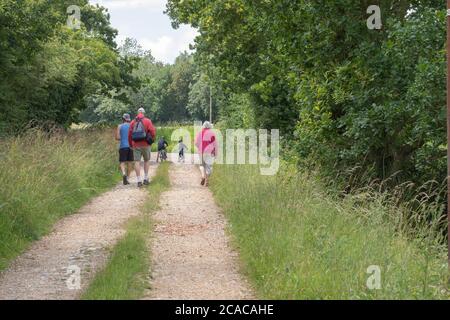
160	48
145	21
167	47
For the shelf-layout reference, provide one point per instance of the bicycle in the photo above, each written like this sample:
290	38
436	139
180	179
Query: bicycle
162	155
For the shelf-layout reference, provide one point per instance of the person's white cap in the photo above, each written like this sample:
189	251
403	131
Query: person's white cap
141	110
207	125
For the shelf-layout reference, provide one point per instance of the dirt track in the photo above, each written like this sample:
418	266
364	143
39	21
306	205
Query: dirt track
191	255
192	258
81	240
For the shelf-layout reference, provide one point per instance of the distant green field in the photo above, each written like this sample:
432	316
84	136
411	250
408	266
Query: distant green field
172	134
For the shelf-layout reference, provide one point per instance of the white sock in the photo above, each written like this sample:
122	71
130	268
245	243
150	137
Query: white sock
139	179
146	177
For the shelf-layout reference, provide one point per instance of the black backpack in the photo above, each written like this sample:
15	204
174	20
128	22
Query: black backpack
138	133
149	139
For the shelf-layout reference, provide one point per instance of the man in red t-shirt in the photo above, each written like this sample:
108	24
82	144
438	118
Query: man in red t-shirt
141	148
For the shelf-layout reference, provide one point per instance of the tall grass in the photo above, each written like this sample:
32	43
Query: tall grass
125	276
298	241
45	176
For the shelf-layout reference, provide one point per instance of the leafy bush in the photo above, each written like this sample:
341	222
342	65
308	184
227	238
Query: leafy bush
384	107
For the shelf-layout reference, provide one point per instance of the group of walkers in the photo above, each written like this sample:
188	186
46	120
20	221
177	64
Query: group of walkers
136	138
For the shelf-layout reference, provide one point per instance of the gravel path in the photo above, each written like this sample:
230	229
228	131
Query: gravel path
81	240
191	255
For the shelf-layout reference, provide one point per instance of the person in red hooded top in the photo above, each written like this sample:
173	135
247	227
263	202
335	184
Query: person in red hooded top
141	135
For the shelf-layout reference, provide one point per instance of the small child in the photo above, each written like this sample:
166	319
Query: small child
181	148
162	149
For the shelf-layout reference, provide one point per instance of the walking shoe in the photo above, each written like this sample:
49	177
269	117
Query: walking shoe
146	182
125	181
203	181
139	184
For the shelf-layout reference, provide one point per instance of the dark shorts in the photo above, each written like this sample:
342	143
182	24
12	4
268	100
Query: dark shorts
126	155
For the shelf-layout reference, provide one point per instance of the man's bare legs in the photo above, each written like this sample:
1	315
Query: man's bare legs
126	168
137	169
129	168
146	153
122	169
125	173
146	169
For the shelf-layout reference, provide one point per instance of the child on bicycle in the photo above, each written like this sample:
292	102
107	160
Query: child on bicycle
162	149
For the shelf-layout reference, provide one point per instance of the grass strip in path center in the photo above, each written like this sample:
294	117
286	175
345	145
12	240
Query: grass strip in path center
124	277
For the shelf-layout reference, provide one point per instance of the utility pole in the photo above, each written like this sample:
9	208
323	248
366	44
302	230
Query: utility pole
448	130
210	101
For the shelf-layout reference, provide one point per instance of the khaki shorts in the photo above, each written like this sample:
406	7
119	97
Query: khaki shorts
142	152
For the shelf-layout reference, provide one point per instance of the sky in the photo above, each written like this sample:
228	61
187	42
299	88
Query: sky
145	21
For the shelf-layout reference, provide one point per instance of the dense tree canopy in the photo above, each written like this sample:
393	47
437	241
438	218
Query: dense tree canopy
47	69
341	94
51	73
